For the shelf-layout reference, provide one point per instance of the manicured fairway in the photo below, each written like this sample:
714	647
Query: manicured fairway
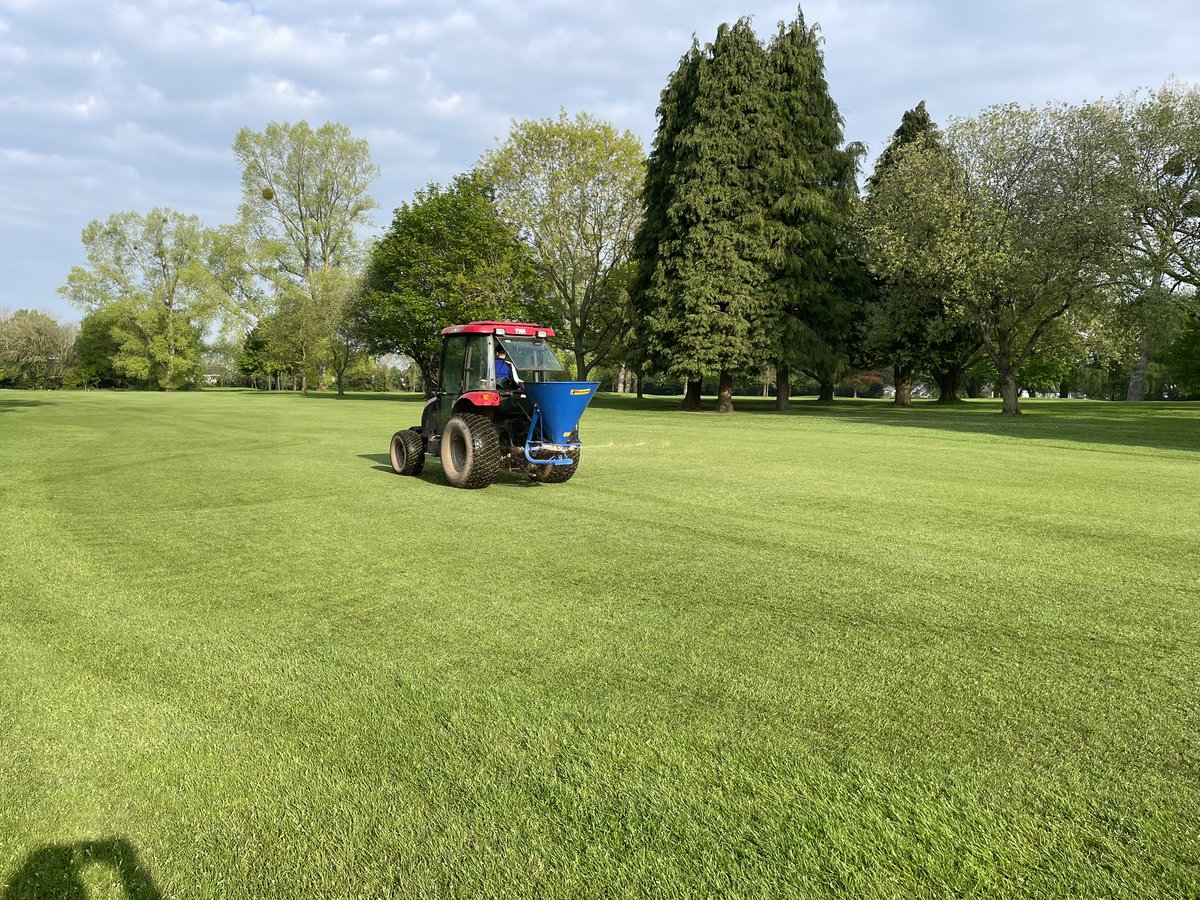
846	651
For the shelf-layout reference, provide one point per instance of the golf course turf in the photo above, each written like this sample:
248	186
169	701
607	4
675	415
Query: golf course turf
848	650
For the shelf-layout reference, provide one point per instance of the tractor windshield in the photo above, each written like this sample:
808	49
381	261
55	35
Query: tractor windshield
534	359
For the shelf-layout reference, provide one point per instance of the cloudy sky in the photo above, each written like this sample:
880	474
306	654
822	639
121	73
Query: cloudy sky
107	106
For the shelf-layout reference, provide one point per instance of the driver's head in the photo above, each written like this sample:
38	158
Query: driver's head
500	353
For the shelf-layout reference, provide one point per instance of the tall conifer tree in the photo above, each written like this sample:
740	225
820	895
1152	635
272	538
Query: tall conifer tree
812	192
748	192
706	293
660	233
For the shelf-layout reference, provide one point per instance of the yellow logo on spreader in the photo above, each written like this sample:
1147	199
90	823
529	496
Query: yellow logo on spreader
577	392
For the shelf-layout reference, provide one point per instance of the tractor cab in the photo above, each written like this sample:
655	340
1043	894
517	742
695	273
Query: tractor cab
503	393
468	368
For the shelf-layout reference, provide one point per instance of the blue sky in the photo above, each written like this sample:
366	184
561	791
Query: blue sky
107	106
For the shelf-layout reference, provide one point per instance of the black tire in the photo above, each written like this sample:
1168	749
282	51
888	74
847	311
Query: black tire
470	451
546	474
408	453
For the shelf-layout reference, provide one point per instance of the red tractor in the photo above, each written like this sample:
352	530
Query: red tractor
504	403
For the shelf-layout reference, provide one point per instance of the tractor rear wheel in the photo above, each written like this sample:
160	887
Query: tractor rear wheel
408	453
470	451
546	474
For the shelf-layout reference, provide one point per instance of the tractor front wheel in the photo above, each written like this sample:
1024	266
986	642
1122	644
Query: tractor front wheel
408	453
470	451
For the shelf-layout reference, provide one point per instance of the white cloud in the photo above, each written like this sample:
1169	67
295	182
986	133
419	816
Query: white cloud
116	104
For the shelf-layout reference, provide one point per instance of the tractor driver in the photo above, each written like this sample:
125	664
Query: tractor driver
506	372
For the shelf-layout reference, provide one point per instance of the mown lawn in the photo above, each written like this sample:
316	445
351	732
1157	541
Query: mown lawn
846	651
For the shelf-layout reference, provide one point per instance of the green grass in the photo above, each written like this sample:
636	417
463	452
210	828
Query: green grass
851	650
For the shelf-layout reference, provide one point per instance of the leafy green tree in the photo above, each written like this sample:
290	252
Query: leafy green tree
346	346
817	358
305	193
241	276
36	349
97	346
706	287
1183	358
447	258
915	125
254	360
153	267
1158	145
570	187
908	325
1018	226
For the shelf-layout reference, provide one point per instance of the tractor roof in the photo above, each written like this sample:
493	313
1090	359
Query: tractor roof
524	329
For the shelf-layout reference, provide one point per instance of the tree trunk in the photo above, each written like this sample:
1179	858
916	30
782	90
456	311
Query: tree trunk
581	366
1009	392
903	378
1137	378
691	396
826	395
639	379
1064	391
783	389
948	385
304	382
725	392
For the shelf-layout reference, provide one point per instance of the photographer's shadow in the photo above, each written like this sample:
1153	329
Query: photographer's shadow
55	872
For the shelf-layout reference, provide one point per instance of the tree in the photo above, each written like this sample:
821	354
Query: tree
571	187
304	195
1017	226
908	318
241	274
915	125
36	349
706	279
1183	357
660	235
97	347
811	195
447	258
1158	145
153	267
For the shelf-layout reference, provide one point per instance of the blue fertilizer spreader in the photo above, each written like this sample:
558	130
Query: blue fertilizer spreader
557	406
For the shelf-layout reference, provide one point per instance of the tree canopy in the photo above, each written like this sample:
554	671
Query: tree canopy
152	267
447	258
570	189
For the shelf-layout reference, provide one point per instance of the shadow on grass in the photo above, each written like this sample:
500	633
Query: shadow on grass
1157	425
55	872
385	396
8	404
383	463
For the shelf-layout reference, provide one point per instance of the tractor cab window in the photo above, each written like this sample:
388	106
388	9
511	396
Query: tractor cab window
453	354
478	375
534	359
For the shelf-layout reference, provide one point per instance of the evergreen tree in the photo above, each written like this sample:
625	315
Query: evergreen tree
660	234
748	193
916	123
707	293
811	195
